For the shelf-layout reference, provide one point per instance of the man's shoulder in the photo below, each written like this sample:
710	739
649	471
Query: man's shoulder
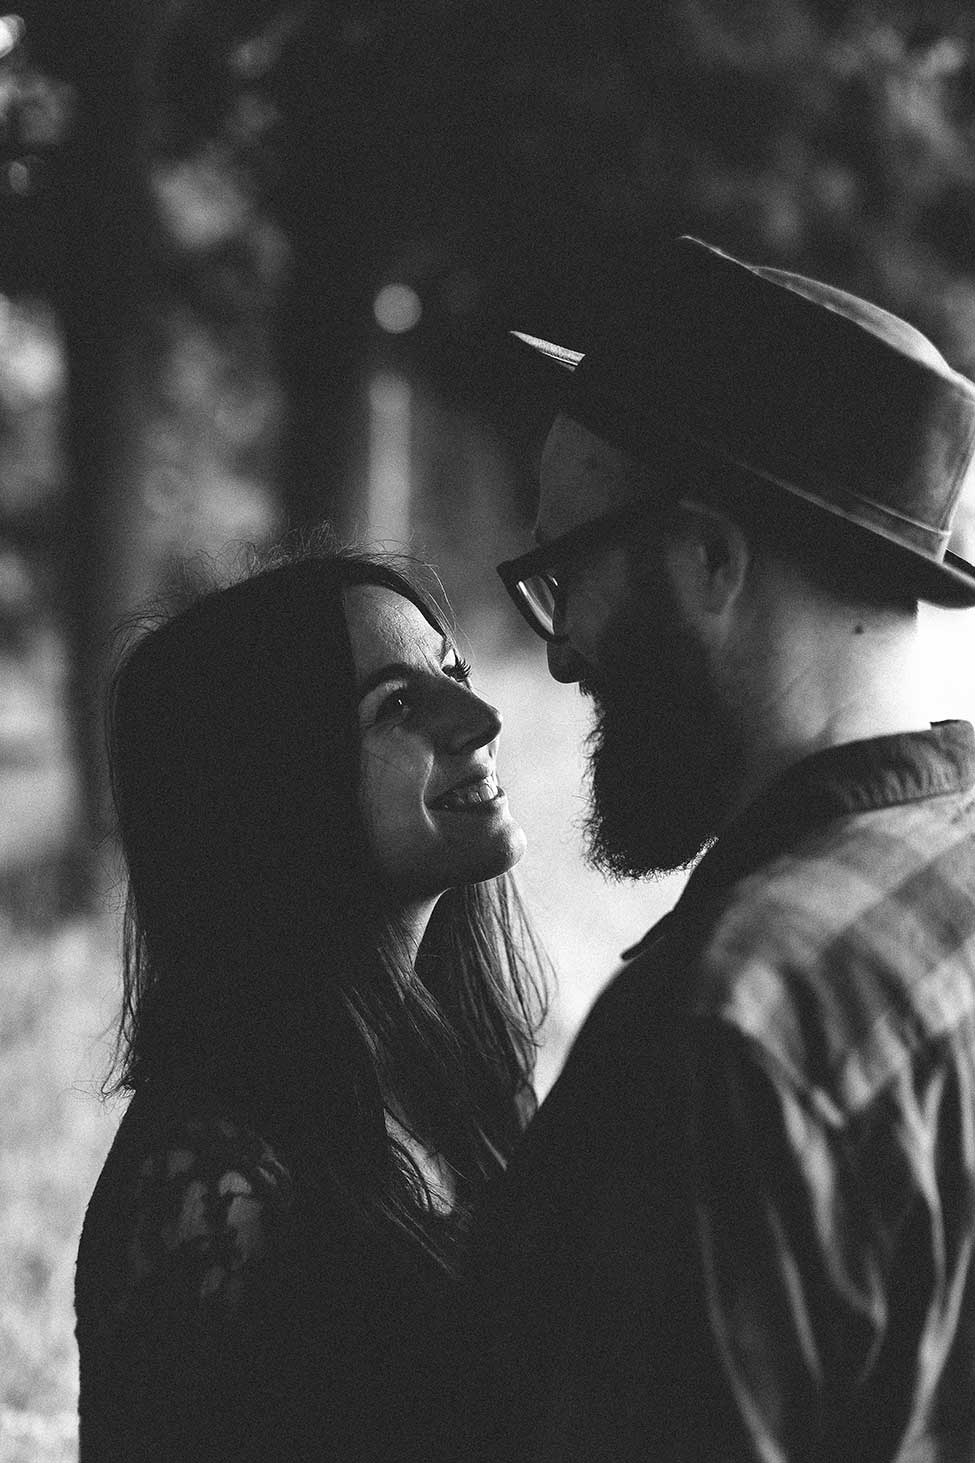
855	947
858	883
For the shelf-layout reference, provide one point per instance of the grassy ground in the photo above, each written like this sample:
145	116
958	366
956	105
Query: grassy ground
54	1135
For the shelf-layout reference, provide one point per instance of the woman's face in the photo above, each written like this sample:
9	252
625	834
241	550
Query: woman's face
434	813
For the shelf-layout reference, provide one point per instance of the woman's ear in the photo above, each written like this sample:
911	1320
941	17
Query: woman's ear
708	557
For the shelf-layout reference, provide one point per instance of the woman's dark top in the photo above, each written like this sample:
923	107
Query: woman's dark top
230	1305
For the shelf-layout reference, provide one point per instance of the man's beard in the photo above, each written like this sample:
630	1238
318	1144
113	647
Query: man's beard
664	749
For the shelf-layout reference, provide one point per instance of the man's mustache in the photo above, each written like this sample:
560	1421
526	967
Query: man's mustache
592	688
607	691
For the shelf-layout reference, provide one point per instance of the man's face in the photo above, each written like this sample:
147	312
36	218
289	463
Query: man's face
582	477
664	746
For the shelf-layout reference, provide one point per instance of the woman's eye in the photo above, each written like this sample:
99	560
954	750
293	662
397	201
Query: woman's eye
461	670
397	703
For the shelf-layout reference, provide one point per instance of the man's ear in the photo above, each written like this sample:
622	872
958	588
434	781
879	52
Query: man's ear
708	557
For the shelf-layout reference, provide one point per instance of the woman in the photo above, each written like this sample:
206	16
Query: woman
326	1025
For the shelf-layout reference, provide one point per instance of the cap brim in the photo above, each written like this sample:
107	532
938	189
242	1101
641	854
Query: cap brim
560	354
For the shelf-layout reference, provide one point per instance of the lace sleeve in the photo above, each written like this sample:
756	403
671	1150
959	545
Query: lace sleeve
208	1208
224	1318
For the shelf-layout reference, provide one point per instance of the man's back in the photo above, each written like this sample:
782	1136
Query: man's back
742	1224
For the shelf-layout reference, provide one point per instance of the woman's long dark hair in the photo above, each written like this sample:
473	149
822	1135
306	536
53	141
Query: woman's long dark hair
260	970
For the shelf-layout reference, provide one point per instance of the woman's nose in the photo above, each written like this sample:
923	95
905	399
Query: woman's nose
472	722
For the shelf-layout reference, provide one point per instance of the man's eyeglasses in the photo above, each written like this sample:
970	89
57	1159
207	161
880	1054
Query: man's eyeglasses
532	580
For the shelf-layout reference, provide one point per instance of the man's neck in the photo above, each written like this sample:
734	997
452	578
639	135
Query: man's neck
821	686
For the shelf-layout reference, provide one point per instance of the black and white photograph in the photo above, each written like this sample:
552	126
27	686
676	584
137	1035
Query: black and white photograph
487	767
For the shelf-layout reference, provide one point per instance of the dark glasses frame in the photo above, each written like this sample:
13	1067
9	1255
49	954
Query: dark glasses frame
581	539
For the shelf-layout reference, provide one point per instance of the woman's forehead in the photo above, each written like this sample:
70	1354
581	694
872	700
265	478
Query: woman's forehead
385	626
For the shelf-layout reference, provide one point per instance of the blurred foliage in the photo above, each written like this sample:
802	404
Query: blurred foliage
495	156
199	202
491	156
505	142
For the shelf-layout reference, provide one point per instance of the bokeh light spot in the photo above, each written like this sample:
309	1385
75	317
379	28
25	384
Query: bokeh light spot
18	177
12	30
397	308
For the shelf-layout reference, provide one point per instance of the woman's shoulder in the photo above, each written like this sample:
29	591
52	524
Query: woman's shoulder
207	1146
191	1209
209	1197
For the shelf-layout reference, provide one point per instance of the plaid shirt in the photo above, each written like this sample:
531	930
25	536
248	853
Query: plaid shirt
742	1226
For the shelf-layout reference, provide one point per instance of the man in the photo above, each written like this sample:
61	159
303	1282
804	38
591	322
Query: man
742	1225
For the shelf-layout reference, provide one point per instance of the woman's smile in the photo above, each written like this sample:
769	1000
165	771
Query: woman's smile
475	794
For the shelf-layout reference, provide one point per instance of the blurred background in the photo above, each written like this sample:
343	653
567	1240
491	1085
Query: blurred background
257	264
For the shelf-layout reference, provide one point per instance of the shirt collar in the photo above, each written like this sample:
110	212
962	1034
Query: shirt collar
854	777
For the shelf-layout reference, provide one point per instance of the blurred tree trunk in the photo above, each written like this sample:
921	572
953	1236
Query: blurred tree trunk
101	279
319	347
393	144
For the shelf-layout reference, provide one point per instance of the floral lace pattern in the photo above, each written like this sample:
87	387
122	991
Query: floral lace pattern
222	1317
205	1208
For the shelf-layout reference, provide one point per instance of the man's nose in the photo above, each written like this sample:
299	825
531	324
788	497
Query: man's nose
564	663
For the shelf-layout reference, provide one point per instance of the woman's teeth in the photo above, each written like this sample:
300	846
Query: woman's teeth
472	795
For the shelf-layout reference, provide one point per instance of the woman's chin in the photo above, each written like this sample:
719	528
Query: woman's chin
518	844
509	850
506	848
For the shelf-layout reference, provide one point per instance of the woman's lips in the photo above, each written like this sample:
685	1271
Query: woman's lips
476	793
